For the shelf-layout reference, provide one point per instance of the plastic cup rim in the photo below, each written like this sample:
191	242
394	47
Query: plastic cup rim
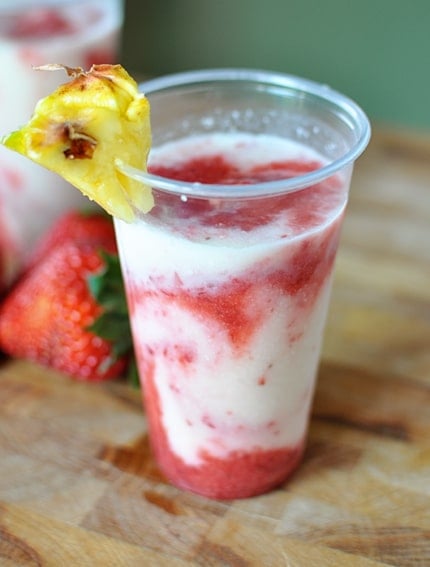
268	188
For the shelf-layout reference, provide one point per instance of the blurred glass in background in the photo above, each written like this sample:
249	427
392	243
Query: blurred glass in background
76	33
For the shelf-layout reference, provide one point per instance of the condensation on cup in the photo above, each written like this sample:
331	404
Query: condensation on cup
75	33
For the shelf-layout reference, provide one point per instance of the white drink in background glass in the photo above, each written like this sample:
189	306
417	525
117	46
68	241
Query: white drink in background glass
76	33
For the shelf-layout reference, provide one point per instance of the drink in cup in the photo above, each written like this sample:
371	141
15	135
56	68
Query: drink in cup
228	277
76	33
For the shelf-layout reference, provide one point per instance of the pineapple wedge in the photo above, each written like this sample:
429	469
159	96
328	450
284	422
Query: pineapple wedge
85	129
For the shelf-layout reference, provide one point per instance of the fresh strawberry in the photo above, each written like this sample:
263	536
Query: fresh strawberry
75	226
69	310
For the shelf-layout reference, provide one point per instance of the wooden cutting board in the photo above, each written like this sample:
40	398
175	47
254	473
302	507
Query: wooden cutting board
78	485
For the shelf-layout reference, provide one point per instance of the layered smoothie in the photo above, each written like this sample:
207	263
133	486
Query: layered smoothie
228	299
74	33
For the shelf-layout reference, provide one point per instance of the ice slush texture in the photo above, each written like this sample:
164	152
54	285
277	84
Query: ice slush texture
228	302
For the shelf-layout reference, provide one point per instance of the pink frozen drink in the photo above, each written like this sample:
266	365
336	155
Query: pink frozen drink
228	287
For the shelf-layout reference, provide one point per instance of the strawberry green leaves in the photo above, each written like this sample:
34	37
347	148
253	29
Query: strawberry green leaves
107	288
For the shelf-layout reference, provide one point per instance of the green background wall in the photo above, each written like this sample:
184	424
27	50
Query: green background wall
376	51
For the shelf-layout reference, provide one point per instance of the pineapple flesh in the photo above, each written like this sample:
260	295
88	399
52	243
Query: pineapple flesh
88	127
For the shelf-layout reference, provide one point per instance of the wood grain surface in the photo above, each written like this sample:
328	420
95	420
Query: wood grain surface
78	485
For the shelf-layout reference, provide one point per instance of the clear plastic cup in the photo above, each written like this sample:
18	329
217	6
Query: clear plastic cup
76	33
229	284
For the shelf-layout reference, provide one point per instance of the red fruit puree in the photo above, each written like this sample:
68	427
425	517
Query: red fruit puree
39	23
241	475
239	306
